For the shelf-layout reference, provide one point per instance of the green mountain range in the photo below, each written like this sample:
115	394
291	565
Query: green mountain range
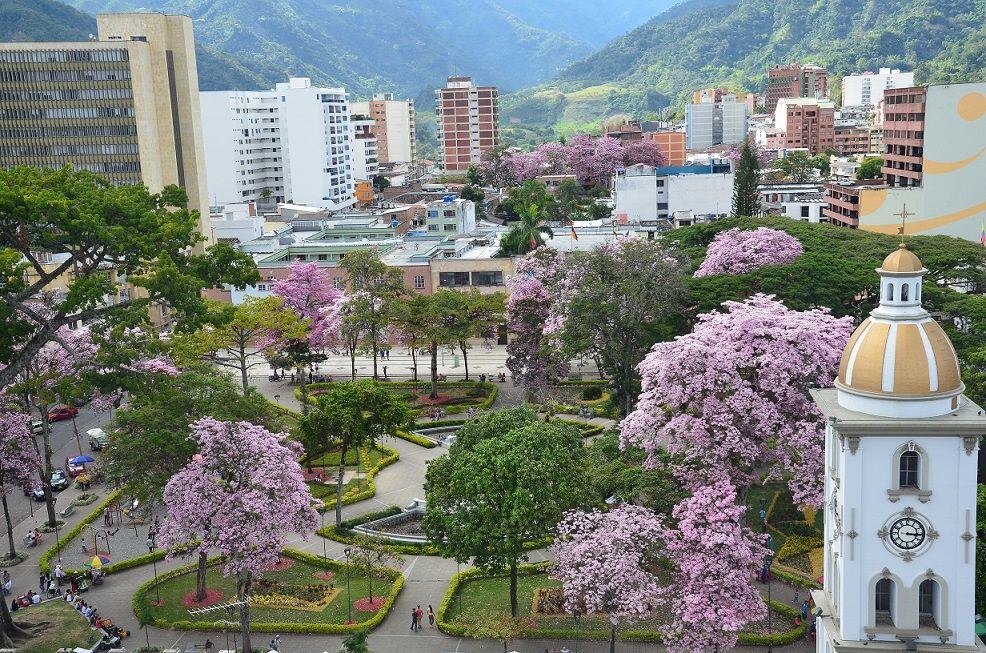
732	43
405	46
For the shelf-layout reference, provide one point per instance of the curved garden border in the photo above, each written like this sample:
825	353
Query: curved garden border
626	635
779	569
141	607
370	488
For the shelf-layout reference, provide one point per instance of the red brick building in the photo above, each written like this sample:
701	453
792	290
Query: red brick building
903	135
807	123
468	122
795	80
842	202
853	140
671	143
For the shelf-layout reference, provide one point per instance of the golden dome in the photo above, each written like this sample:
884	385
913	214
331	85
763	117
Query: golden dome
902	260
905	359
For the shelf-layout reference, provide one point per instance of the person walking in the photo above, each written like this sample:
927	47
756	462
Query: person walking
419	613
150	543
414	619
431	617
208	645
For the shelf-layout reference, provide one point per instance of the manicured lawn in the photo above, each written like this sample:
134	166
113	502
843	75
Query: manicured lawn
484	596
331	459
299	573
64	627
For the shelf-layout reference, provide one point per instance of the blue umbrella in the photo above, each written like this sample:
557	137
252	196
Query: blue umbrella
81	460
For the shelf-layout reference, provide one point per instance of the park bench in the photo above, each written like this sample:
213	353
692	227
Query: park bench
67	510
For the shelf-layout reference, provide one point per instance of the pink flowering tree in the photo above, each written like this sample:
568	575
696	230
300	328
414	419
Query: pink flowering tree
555	157
608	561
643	151
738	252
730	399
712	596
19	462
240	495
536	364
527	165
593	160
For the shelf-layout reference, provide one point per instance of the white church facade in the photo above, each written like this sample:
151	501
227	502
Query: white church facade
900	484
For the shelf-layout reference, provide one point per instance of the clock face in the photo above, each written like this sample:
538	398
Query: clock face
907	533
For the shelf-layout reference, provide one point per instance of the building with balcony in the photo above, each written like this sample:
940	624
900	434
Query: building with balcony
125	106
903	135
290	144
450	215
468	122
393	125
807	123
365	148
711	122
794	81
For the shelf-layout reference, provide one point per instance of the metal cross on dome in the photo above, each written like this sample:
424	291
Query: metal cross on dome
903	215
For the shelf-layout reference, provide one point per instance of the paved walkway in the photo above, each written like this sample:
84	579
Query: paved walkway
427	576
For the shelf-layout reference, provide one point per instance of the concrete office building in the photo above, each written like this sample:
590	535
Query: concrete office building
125	107
793	81
294	140
722	122
644	193
393	125
468	122
867	89
450	216
807	123
365	148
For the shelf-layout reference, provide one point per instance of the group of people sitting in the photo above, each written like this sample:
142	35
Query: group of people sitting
32	538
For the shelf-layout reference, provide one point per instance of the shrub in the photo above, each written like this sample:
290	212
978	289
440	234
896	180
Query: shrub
799	527
592	392
795	545
414	438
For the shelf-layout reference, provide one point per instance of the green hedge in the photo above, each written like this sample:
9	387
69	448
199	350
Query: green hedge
586	429
45	560
428	424
585	382
416	439
493	389
795	545
141	607
794	577
628	635
369	488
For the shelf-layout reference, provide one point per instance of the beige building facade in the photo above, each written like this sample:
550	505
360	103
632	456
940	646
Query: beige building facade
125	107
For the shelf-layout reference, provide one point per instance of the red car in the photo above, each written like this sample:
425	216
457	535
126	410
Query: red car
74	470
62	411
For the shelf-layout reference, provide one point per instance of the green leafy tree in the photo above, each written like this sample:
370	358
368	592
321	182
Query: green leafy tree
232	341
496	627
380	183
532	205
411	318
613	471
599	211
367	554
472	314
374	286
476	195
105	241
869	168
489	495
441	327
823	163
797	166
356	643
746	198
474	177
351	416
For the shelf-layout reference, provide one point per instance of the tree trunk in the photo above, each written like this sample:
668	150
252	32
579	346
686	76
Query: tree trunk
465	357
434	370
45	472
303	391
414	363
200	577
373	342
352	361
612	638
244	582
10	526
339	483
513	589
243	369
8	629
75	431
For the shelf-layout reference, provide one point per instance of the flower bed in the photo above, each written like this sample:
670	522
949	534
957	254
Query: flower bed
459	396
272	614
366	488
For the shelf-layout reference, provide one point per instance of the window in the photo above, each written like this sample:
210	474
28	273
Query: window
910	467
419	281
927	604
449	227
323	257
904	292
493	278
337	282
804	211
448	279
262	287
890	292
883	601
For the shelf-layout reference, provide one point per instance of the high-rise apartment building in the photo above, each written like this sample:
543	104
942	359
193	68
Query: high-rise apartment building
468	122
393	125
715	122
125	107
807	123
293	143
365	148
903	135
793	81
713	94
867	89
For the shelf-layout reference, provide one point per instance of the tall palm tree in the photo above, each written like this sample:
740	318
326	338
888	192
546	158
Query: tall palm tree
529	233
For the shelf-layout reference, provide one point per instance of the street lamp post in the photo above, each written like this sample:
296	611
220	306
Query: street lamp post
157	587
53	506
349	596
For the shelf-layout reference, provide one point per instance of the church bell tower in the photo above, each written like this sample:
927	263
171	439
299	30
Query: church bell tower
901	445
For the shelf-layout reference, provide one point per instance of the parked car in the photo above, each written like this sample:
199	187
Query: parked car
97	439
37	427
62	411
59	479
38	493
74	470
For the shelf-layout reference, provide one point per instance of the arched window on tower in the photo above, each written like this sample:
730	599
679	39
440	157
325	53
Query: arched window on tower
904	292
910	469
883	601
928	605
890	292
